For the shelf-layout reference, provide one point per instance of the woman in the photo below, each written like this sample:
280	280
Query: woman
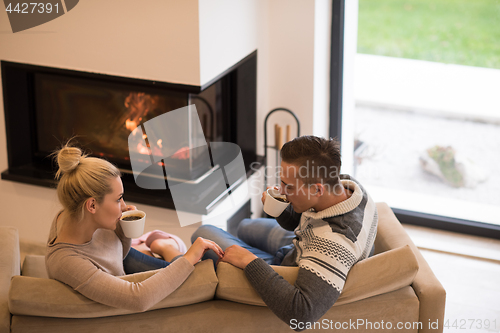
86	245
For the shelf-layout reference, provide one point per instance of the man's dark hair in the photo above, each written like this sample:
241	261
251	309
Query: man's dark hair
318	159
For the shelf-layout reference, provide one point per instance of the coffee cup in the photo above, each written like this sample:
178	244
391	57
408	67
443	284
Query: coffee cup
132	223
275	203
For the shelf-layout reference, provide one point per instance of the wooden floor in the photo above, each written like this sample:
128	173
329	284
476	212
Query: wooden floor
468	267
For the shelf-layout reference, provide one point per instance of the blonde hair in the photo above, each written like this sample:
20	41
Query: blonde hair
81	178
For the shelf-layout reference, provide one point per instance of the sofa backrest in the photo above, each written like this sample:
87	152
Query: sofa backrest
32	294
382	273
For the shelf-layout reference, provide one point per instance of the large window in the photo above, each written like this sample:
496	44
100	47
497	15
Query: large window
427	116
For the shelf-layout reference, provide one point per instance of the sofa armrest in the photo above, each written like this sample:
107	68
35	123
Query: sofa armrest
32	296
428	289
10	265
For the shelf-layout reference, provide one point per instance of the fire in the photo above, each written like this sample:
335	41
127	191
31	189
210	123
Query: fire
130	125
145	148
138	105
142	149
181	154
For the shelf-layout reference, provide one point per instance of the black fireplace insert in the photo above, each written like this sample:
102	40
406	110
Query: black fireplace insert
44	107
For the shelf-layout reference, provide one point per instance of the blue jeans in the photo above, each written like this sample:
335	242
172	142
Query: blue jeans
136	262
263	237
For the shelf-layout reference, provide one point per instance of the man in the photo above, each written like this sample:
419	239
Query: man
334	223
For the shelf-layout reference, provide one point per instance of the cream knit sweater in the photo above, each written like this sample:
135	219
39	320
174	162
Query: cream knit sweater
93	268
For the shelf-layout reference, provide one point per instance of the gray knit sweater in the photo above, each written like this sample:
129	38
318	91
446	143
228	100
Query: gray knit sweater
327	244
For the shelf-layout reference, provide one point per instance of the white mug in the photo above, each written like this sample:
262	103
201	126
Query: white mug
135	228
273	206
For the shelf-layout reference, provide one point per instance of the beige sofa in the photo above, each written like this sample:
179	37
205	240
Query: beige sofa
395	287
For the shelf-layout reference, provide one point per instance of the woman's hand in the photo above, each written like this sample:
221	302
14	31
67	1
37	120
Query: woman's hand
199	247
238	256
129	207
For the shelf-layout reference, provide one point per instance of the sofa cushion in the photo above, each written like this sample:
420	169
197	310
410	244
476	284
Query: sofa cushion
50	298
382	273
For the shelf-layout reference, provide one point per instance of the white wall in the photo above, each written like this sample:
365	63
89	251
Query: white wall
348	99
299	62
188	41
291	59
158	41
322	43
161	42
263	70
227	34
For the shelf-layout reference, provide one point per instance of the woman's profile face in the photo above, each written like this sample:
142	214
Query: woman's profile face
109	211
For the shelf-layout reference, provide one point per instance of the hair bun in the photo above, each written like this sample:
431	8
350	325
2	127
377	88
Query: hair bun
68	159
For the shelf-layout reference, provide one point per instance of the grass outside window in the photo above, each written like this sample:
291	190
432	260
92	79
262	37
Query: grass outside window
465	32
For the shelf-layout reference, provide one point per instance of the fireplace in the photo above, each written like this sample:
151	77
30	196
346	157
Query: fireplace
46	106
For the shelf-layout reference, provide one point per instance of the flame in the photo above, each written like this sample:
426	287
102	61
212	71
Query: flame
181	154
138	105
142	149
130	125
